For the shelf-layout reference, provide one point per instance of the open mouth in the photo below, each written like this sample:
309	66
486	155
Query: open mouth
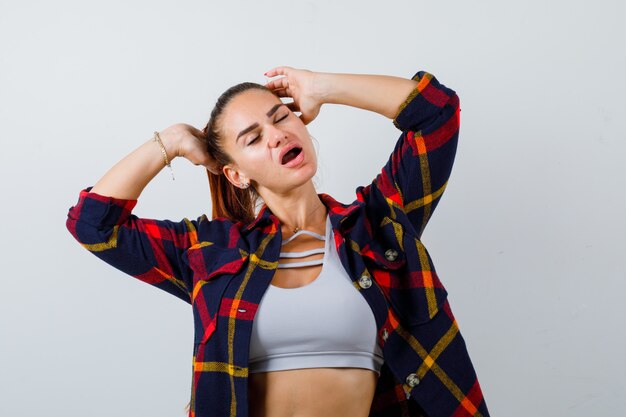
290	155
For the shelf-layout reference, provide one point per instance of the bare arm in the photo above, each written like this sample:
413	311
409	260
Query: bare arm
148	249
128	177
426	111
383	94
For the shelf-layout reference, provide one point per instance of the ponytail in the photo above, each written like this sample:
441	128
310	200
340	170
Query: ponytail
228	200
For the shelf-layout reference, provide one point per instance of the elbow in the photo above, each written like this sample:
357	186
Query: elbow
71	224
454	101
91	237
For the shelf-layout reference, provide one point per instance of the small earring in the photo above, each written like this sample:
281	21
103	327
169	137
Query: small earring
245	185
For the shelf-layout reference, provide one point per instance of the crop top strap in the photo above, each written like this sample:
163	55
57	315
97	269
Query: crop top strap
305	253
301	254
303	263
304	232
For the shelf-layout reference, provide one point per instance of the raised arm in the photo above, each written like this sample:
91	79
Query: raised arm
383	94
127	178
148	249
426	111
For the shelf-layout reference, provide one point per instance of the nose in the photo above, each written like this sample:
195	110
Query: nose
277	136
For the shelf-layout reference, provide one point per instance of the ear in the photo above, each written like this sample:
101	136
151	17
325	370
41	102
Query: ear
234	176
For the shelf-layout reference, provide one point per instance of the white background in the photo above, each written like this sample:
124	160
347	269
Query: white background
528	237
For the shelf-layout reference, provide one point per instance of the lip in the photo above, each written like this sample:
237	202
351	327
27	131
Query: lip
286	149
295	161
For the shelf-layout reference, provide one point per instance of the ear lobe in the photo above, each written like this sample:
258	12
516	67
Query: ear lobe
233	176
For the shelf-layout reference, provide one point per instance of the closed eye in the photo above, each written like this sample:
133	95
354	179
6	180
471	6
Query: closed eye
257	137
282	118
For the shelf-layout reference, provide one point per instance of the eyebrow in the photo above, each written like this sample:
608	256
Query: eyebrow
273	109
255	125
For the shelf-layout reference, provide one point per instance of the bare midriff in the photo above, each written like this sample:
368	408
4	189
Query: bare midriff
309	392
312	392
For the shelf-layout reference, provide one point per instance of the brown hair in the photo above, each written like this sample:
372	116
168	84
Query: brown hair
228	200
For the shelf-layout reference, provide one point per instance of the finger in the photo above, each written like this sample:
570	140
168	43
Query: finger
284	92
304	119
211	165
199	133
212	169
293	106
278	83
280	70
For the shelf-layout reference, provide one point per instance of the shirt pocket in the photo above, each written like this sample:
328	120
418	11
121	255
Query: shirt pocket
401	265
213	267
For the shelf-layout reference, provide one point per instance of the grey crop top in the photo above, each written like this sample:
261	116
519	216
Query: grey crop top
325	323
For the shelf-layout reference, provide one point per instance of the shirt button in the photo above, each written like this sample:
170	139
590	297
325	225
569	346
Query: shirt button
391	255
365	282
385	334
412	380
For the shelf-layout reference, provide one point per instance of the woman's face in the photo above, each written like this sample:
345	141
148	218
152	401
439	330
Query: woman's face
269	145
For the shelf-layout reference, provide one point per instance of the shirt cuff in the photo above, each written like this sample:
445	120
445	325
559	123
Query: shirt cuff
99	210
423	103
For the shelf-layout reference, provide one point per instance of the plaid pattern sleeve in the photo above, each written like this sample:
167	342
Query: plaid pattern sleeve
425	351
418	169
147	249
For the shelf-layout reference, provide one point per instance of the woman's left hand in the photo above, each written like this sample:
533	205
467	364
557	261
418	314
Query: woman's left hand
301	85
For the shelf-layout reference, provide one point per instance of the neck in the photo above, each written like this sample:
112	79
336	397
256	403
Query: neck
299	208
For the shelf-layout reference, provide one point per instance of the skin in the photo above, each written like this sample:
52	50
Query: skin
291	196
288	192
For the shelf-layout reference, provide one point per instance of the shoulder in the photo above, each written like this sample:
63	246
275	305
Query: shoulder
220	231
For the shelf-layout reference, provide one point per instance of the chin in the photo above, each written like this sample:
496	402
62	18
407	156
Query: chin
304	176
297	179
310	169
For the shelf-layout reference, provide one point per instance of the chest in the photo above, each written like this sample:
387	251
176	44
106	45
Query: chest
302	259
384	267
387	266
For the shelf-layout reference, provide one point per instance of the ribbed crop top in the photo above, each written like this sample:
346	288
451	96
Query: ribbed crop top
325	323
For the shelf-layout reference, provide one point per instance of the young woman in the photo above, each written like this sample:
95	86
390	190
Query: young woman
308	306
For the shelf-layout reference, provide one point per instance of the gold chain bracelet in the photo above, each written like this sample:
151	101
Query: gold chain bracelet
157	138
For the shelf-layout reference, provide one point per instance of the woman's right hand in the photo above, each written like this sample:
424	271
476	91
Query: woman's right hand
185	140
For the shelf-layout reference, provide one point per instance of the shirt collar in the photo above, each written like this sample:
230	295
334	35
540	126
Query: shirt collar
337	211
